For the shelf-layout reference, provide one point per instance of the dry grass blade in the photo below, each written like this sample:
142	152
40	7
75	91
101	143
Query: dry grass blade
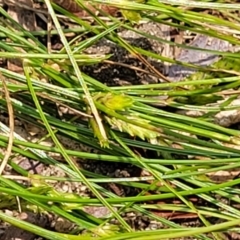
11	125
73	7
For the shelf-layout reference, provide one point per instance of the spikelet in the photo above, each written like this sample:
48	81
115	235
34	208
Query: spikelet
131	129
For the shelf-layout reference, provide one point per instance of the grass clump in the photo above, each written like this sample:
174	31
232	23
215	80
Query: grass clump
138	126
